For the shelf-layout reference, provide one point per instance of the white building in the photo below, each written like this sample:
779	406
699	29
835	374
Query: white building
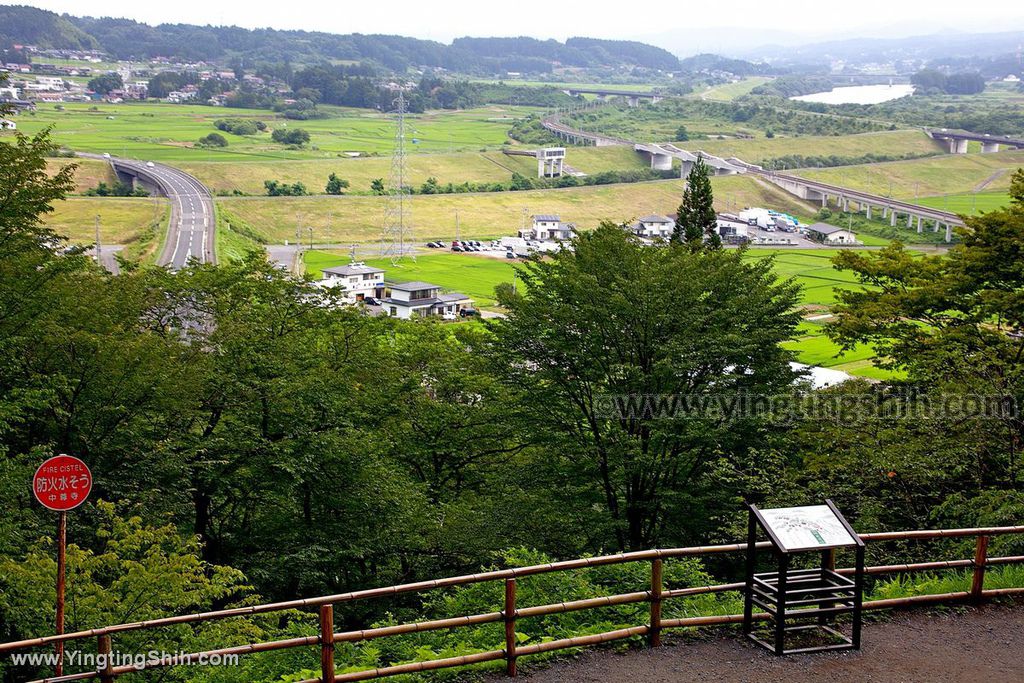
830	234
654	226
421	299
548	227
356	280
732	228
50	82
10	93
7	124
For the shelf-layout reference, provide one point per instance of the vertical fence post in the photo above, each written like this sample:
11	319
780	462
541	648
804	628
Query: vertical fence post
510	627
327	643
980	560
654	635
104	649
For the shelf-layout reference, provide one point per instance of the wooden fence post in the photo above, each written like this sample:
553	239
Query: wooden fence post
654	635
327	643
980	560
510	627
103	647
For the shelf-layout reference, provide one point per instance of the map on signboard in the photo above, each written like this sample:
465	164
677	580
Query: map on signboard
807	528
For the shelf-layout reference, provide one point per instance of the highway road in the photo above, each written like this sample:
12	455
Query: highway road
192	229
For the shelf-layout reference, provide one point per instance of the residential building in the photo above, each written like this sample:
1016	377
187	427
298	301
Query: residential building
421	299
7	124
654	226
357	280
548	227
830	234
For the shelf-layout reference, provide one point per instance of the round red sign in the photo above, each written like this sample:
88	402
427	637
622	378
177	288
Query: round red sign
62	483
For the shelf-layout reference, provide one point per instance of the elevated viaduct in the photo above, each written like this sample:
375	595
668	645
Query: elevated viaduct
957	140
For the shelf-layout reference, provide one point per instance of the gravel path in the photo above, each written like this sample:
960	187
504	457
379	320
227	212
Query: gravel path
983	644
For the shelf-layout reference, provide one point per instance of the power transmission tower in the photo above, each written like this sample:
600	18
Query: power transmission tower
397	236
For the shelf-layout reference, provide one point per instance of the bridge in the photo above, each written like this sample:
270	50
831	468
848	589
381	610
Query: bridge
191	234
660	154
893	209
957	140
633	97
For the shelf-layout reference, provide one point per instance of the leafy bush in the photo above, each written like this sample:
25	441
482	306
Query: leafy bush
213	140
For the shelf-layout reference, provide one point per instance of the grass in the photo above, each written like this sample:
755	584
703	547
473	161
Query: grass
967	203
122	220
910	180
89	174
167	132
476	276
488	215
730	91
759	149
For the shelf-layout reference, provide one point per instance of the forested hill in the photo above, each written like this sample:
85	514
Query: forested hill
128	39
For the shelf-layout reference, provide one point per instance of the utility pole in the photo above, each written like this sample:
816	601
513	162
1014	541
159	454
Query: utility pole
458	233
397	235
99	248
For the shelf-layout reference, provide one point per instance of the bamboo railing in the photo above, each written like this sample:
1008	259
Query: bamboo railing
511	612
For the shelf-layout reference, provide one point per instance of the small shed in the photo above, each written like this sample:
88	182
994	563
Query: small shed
831	234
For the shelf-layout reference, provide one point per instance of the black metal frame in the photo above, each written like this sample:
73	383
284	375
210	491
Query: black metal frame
785	594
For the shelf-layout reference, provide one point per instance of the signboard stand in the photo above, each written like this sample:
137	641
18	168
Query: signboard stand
61	483
804	602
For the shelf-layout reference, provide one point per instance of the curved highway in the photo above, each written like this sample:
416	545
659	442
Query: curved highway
192	229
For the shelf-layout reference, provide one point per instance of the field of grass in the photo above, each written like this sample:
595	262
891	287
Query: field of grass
122	220
89	174
758	149
167	132
359	219
967	203
638	87
949	174
476	276
730	91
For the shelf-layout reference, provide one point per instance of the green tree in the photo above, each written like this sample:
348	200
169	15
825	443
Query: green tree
696	220
682	135
213	140
105	83
377	186
588	344
430	186
336	185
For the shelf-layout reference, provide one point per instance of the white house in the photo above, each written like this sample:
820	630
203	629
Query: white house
654	226
421	299
9	93
548	227
356	280
830	234
7	124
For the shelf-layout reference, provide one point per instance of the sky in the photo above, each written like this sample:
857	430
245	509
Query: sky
677	25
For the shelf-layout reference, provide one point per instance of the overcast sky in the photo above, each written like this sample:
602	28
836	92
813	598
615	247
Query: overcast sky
675	24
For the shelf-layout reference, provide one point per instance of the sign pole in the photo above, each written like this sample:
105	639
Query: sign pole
61	483
62	542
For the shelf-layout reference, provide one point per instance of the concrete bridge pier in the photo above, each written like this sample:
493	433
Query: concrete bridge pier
949	232
892	219
661	162
920	223
867	211
685	167
910	220
957	146
989	147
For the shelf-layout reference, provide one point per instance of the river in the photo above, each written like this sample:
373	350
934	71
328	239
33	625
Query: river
859	94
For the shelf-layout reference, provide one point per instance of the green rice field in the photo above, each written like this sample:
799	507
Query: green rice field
168	132
967	203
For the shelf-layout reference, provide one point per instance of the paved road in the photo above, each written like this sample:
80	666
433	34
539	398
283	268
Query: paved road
192	229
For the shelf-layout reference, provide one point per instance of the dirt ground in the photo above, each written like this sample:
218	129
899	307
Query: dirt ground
983	644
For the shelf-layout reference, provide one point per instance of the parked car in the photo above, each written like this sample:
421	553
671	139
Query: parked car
510	254
469	313
370	301
448	316
440	244
456	247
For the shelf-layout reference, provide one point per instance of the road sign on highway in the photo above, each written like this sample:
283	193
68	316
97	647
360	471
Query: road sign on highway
62	483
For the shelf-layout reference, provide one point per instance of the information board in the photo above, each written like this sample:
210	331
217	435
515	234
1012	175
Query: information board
807	528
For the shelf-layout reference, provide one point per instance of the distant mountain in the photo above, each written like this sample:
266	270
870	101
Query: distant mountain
713	62
128	39
863	50
31	26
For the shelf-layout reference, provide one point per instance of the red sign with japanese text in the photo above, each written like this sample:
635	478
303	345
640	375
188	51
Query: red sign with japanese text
62	483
